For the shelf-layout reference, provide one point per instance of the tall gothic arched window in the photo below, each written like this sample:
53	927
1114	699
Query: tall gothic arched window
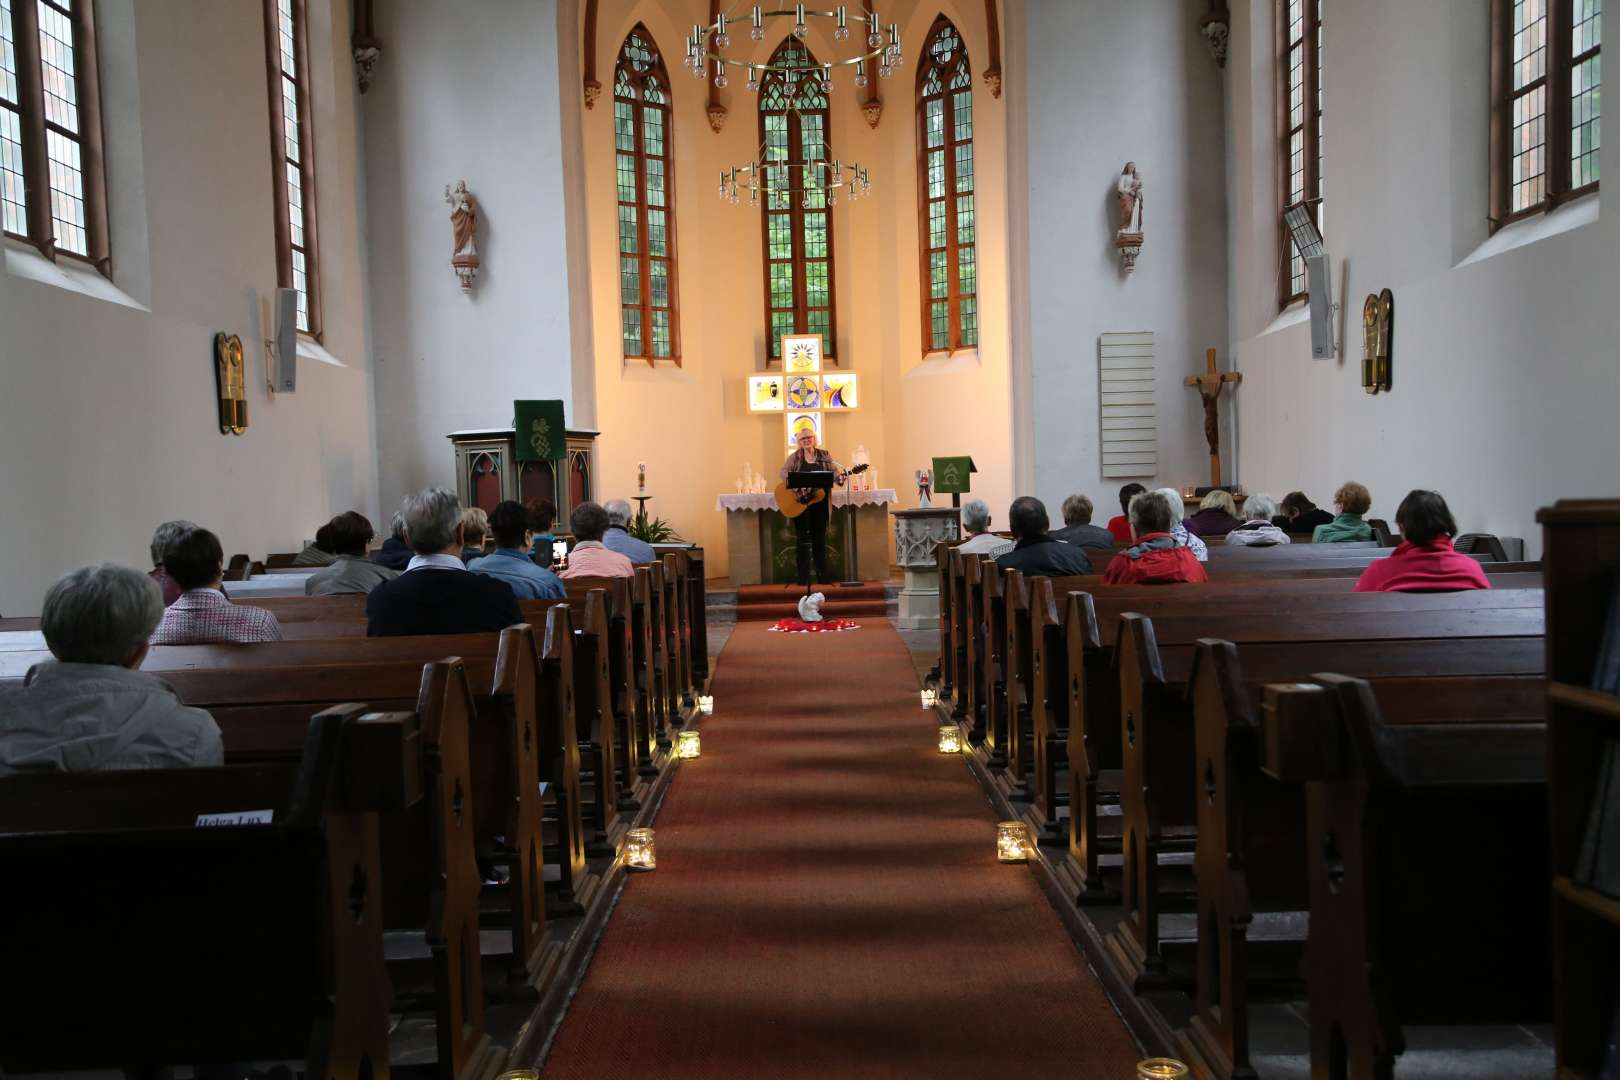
797	228
950	277
641	134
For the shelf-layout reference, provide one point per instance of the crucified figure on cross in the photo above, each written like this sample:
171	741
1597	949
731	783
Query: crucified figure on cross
1209	385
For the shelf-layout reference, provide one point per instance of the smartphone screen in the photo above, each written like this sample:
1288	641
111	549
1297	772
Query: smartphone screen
559	550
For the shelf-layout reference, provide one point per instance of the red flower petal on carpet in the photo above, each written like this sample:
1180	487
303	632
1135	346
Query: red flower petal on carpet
799	626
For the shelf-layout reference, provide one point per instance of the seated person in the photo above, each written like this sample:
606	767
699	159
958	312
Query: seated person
1156	558
321	552
395	553
1177	530
618	538
351	572
1078	529
90	708
542	517
1257	529
474	527
1217	515
1120	527
1300	515
436	594
203	615
1424	560
510	562
591	557
164	535
1350	501
1036	553
980	540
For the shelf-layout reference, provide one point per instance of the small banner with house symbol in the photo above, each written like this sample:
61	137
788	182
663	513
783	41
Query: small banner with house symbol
538	432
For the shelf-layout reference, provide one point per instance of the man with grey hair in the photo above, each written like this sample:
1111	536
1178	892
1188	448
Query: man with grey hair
1078	529
1257	529
618	538
980	540
163	538
437	594
91	708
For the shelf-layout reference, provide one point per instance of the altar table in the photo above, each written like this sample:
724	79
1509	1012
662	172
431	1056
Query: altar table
760	541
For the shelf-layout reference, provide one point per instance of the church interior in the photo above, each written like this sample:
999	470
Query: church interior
858	745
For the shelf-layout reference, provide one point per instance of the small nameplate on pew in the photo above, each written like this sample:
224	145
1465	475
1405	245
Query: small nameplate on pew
236	817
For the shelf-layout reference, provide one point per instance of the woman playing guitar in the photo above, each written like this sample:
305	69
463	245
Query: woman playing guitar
810	526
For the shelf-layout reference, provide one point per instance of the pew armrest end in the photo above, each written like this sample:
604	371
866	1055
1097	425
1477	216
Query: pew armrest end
383	762
1298	741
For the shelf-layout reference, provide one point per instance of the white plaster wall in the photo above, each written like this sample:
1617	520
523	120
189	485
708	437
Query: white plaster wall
464	91
1108	83
108	420
1505	373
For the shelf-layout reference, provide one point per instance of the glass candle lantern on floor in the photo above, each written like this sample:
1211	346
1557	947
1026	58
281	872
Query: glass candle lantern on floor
950	739
519	1074
688	745
705	704
639	852
1161	1069
1012	842
930	697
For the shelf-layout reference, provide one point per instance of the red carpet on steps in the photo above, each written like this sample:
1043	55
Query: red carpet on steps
767	603
827	901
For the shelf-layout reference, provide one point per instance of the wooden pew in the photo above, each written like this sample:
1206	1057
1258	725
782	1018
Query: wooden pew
248	942
946	665
1156	663
1252	849
1411	921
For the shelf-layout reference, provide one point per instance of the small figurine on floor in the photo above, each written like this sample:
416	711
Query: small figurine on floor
810	607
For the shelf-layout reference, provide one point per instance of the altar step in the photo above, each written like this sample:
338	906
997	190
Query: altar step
754	603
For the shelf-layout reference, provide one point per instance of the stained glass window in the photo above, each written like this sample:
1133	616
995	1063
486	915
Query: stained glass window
292	153
1548	104
50	129
641	146
1300	149
793	128
950	301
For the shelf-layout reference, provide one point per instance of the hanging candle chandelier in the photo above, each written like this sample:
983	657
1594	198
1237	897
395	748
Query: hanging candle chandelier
794	164
706	46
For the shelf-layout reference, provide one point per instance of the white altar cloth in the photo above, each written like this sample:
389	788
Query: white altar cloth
840	497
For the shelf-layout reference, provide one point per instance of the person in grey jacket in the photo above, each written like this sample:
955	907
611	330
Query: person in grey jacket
90	708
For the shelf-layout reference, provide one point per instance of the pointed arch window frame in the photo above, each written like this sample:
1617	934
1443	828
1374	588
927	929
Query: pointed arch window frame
297	223
955	83
625	71
797	215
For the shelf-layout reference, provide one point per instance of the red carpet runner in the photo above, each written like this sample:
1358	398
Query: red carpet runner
827	902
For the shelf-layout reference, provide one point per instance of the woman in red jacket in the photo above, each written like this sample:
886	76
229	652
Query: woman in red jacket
1424	560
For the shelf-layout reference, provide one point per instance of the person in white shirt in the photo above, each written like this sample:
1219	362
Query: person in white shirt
981	541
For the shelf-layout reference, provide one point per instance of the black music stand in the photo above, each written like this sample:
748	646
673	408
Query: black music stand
819	480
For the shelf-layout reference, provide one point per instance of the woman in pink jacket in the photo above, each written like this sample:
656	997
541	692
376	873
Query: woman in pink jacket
1424	560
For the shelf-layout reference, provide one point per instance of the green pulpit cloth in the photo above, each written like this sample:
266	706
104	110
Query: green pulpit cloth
538	431
951	475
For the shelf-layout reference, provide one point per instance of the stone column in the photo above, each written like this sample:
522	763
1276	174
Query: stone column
916	534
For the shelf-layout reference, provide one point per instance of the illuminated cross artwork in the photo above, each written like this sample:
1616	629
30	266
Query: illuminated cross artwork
802	392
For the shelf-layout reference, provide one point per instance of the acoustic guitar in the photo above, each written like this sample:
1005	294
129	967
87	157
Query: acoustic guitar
793	504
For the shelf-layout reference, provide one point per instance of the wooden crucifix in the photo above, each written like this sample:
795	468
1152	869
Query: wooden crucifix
1209	388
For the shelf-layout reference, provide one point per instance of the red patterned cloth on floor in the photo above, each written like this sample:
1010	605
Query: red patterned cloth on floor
799	626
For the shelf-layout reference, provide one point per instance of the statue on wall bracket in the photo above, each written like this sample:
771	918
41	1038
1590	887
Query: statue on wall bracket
1377	332
1128	238
230	378
464	260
